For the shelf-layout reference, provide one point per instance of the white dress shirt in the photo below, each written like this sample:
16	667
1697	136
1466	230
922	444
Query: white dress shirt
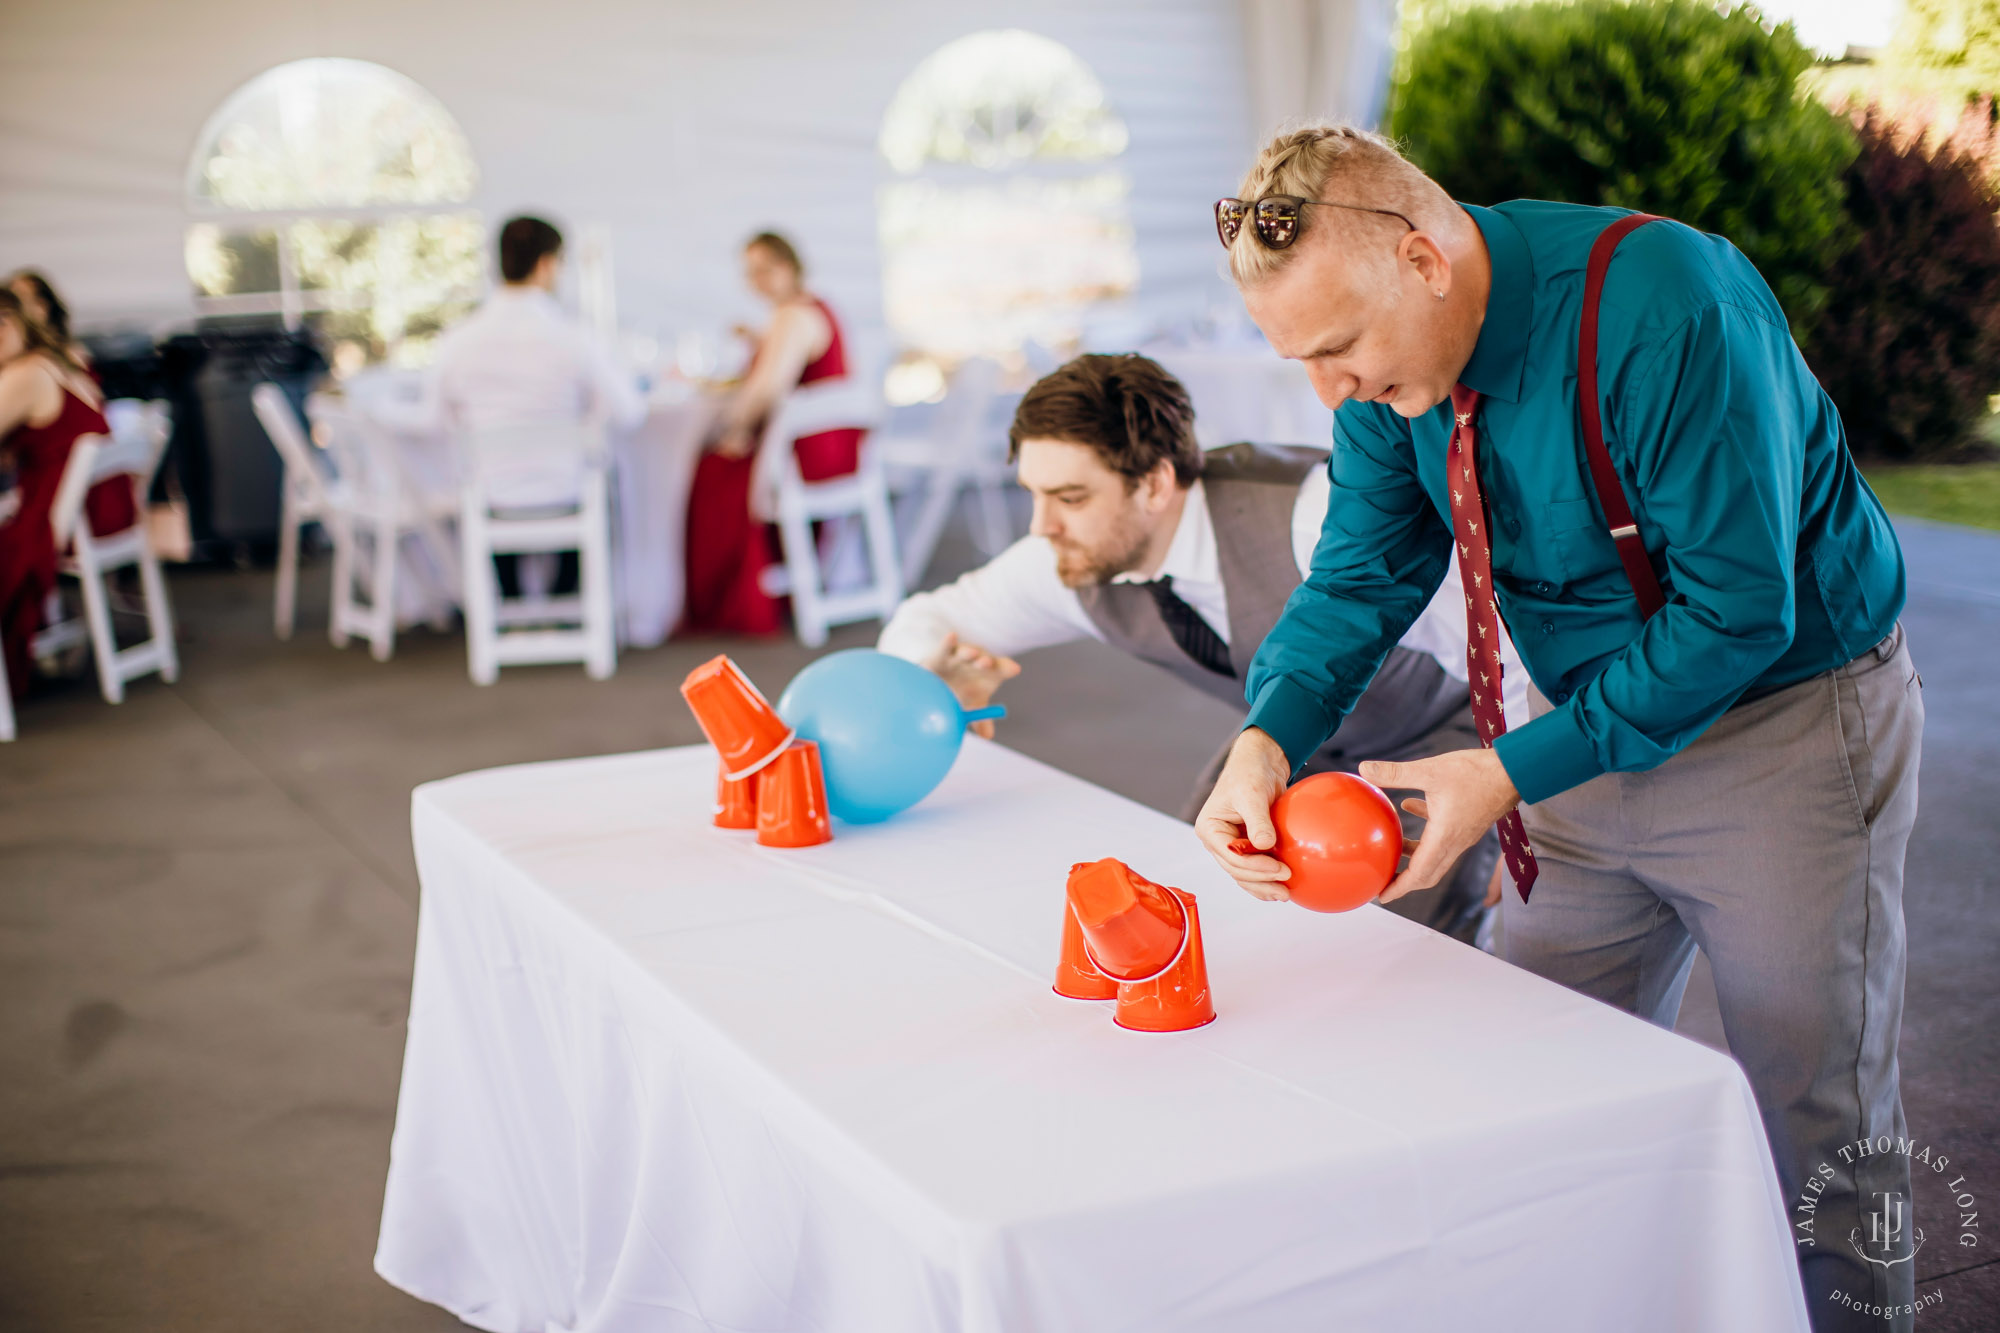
520	358
1017	602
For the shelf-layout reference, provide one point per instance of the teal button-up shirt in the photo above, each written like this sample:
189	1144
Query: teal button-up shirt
1777	560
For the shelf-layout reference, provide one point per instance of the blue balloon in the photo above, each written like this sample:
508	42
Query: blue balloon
888	730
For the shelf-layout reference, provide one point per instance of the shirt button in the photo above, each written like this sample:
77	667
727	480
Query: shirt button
1544	589
1548	627
1561	697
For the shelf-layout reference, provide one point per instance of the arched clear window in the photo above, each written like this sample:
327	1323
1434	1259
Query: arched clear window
1007	222
330	190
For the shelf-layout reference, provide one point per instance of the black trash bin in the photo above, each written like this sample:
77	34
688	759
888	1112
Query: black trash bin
242	473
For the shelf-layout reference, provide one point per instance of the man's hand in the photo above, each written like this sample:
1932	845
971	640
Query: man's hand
1238	812
1464	793
1496	882
973	674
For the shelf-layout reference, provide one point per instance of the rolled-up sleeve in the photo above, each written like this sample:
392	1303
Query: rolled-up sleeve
1381	552
1715	435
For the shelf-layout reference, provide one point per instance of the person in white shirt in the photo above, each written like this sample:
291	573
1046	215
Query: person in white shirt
519	359
1185	559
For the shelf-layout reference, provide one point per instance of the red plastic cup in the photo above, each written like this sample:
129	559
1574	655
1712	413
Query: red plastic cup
735	800
791	799
1178	998
1077	978
1133	929
737	719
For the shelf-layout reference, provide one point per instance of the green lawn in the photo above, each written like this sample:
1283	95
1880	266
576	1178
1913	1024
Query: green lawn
1967	493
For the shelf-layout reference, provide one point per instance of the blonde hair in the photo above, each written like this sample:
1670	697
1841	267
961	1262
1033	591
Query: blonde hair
1324	160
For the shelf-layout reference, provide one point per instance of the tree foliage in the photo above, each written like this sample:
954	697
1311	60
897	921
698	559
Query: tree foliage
1908	345
1674	107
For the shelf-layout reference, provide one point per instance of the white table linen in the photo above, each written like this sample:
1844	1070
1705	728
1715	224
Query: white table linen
1248	393
661	1078
653	470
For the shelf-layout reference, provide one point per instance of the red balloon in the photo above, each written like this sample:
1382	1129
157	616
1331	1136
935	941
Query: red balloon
1341	838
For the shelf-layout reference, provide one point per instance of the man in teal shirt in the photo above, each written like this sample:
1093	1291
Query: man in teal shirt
1739	770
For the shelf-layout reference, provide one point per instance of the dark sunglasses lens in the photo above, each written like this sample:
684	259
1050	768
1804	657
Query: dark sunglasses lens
1277	222
1229	216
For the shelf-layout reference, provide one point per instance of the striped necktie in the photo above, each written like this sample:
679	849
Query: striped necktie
1194	635
1482	617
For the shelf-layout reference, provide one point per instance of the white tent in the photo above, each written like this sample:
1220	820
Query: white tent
670	129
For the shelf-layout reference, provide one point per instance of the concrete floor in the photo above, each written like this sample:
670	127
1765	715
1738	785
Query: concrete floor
207	907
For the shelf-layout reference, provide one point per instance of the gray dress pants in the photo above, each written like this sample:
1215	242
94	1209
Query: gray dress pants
1774	842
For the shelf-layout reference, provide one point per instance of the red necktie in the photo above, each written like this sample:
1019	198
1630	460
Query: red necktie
1482	618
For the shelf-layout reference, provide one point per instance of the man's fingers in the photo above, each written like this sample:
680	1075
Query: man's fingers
1417	806
1409	846
1385	774
1258	828
1242	860
1422	872
1009	668
1496	882
983	729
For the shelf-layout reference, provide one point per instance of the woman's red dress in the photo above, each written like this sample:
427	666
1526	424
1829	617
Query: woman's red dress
727	548
27	541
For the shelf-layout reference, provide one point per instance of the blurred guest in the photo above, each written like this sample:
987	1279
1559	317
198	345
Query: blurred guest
47	401
42	305
727	548
520	358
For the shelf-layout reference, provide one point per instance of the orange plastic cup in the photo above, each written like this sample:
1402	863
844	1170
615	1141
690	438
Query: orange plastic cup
735	800
1077	978
791	799
737	719
1178	998
1133	929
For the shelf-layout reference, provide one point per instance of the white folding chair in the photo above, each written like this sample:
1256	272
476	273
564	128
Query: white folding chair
306	494
6	705
780	494
957	454
89	557
570	511
350	484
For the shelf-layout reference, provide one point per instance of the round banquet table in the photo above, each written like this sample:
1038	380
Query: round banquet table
652	469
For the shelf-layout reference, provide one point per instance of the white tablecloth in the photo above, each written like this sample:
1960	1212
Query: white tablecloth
661	1078
654	467
1248	393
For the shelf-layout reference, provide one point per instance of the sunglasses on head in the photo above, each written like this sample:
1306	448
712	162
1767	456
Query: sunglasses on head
1276	218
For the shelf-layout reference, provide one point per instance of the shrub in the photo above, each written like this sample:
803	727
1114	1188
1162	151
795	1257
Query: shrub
1670	106
1908	345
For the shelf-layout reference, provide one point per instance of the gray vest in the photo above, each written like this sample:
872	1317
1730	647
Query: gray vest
1251	491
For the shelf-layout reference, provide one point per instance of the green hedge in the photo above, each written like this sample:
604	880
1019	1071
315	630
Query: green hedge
1668	106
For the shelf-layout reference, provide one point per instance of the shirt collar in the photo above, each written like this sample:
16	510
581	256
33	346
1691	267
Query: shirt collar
1191	556
1500	358
525	297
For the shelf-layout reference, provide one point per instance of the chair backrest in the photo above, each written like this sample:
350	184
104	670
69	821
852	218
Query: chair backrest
529	464
852	402
303	473
79	474
359	448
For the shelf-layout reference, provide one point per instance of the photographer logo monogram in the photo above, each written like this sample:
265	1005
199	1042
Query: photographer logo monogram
1890	1234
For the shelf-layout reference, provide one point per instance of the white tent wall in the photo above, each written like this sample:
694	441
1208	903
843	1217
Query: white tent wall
676	127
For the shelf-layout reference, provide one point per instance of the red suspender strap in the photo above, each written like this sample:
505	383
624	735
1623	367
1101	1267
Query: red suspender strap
1624	530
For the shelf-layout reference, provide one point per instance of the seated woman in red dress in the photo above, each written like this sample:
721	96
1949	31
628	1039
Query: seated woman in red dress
47	401
727	547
